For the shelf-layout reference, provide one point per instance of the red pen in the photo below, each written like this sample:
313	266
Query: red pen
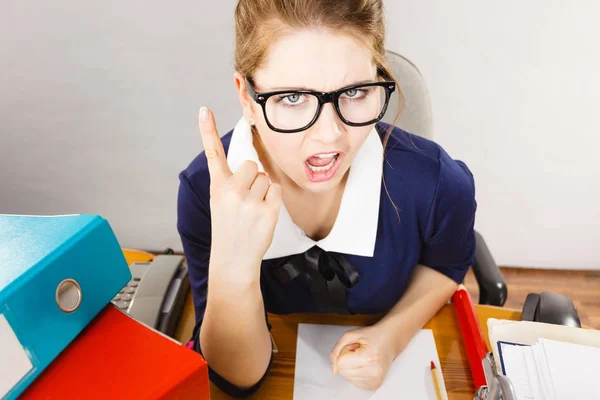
471	334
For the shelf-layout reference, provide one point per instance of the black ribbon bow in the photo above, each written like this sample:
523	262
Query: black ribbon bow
328	275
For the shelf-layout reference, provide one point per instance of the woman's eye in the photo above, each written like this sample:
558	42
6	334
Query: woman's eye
292	98
355	94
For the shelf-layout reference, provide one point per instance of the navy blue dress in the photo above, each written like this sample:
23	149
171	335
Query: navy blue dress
429	222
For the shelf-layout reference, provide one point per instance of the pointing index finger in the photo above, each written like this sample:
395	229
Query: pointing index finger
213	147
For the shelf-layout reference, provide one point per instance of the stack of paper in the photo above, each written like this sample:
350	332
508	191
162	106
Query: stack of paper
551	370
408	378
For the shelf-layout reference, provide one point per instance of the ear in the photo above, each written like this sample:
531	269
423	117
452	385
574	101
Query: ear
245	100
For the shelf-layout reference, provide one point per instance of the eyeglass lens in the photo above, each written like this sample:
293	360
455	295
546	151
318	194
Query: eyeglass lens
289	111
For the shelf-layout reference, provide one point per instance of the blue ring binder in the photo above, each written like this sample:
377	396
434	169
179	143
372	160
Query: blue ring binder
37	253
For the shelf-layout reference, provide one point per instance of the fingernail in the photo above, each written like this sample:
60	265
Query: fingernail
203	114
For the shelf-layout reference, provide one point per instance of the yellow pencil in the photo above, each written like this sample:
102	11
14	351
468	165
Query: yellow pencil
436	382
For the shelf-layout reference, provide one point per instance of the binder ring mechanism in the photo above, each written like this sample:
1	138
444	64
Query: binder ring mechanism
68	295
499	387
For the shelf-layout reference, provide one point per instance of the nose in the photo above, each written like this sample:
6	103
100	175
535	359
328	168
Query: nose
329	127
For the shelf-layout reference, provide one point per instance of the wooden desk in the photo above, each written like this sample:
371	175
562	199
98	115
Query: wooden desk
280	382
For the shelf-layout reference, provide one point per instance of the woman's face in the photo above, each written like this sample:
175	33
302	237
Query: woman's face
318	158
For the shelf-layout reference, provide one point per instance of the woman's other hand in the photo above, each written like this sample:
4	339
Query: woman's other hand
364	356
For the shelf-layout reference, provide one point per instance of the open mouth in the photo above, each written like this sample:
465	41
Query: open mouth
322	167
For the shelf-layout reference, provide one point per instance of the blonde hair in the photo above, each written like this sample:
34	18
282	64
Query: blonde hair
259	23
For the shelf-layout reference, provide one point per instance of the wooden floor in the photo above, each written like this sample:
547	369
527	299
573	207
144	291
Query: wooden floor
583	287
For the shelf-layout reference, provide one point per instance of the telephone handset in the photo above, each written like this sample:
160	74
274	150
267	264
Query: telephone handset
156	293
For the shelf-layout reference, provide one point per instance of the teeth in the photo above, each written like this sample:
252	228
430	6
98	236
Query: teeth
324	167
326	155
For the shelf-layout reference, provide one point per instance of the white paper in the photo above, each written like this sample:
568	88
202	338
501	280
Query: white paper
534	376
408	378
528	332
543	370
573	369
14	362
552	370
514	363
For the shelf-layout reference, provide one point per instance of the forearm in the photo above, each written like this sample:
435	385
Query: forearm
427	292
234	336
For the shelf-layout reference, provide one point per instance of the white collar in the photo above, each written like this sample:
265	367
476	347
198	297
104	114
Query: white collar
355	228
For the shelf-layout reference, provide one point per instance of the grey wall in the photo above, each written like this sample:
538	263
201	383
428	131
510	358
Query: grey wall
515	90
98	107
99	101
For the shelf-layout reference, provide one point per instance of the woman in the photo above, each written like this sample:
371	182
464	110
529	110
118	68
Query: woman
311	204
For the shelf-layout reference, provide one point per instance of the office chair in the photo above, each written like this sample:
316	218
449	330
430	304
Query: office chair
417	118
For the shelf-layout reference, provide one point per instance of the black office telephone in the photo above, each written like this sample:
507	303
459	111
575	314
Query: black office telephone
551	308
155	295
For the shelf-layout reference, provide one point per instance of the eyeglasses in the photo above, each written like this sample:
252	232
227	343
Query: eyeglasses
291	111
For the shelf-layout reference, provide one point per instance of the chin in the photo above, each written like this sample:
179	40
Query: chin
321	187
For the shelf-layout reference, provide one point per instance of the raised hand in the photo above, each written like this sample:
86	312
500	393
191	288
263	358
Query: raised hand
244	210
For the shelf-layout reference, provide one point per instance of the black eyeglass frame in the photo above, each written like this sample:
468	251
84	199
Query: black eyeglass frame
323	98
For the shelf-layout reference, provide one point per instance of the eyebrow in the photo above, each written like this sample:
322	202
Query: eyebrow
365	81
